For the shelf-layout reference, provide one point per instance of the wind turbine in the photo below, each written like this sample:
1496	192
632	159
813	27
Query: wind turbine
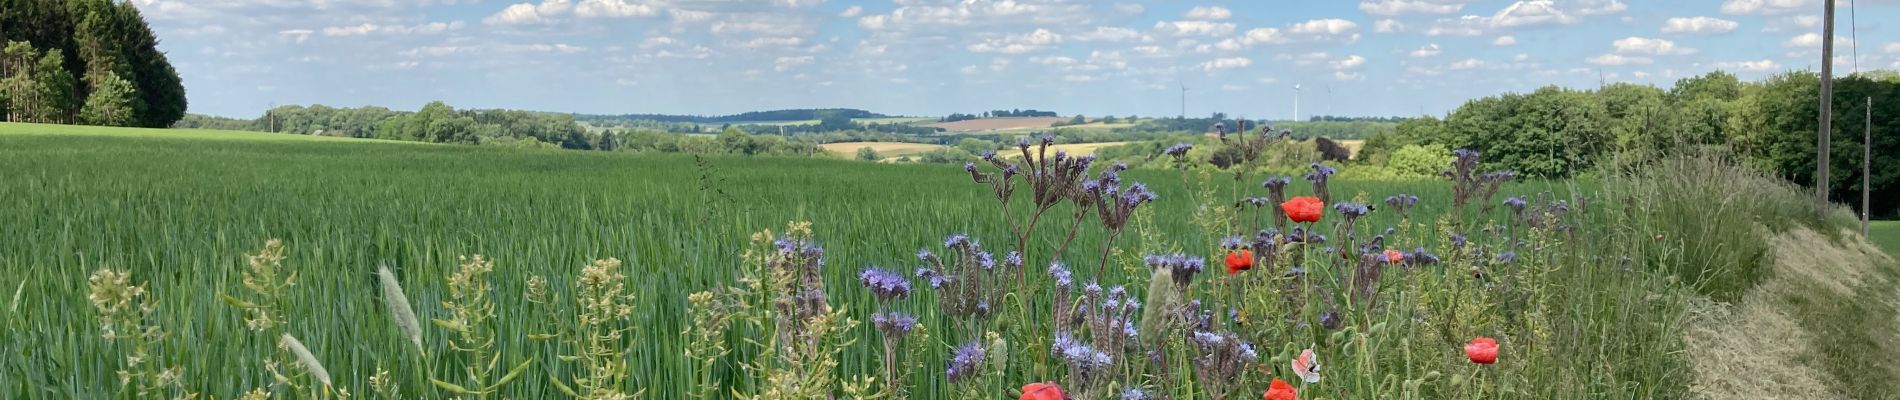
1296	102
1184	90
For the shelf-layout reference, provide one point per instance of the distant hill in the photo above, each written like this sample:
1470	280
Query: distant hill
803	114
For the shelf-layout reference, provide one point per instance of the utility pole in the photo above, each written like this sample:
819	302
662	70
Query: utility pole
272	113
1866	159
1823	138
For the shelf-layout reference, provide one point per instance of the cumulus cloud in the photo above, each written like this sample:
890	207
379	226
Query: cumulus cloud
1699	25
1350	62
1764	65
1506	40
1469	63
369	28
1391	8
852	11
1525	13
1226	63
548	11
788	62
1647	46
1813	41
1430	50
1388	26
1108	34
1040	39
1765	7
1194	28
1211	13
1614	59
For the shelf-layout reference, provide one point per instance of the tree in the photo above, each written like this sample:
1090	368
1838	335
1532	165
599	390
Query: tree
110	103
57	85
1078	120
162	92
868	154
17	62
1419	162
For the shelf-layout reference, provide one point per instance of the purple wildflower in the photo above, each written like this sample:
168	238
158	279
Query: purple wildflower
894	325
966	362
1351	210
886	285
1061	274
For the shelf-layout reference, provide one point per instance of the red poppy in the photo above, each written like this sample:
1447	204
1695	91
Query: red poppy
1482	350
1304	209
1282	391
1043	391
1394	256
1237	261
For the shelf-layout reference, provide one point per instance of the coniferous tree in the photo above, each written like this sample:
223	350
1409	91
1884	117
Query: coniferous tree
110	103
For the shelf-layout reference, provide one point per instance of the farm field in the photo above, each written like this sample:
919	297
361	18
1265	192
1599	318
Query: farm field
1886	234
181	214
885	149
1075	149
1000	124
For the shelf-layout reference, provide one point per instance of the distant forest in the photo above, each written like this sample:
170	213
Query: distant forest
807	114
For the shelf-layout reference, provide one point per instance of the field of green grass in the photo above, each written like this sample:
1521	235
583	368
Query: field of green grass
180	210
1886	234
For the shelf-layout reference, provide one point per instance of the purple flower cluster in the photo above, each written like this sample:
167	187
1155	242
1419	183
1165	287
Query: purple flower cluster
894	325
1321	173
1180	267
1276	194
1179	150
966	362
1352	210
1467	183
1220	358
1402	204
1113	204
966	277
886	285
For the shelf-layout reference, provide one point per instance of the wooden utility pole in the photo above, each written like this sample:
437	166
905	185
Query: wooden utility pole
1866	159
1827	111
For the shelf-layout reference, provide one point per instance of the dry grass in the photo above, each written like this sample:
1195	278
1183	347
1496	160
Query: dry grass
1770	343
886	149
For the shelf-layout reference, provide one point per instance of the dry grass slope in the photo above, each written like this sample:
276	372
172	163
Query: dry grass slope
1783	337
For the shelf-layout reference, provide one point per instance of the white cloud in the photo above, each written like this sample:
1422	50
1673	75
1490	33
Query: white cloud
1347	75
1194	28
1506	40
1647	46
298	35
1350	62
1893	47
1226	63
1430	50
436	51
1388	26
1469	63
548	11
798	3
1391	8
684	15
1699	25
1108	34
1324	26
773	41
369	28
1130	8
1525	13
853	11
1813	41
614	9
1765	7
789	62
1210	13
1618	59
1750	66
1038	40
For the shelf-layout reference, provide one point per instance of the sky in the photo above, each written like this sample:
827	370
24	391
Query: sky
935	57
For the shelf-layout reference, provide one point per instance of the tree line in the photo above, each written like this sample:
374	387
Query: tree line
93	62
1768	124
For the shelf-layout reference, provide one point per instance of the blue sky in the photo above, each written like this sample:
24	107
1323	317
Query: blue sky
934	57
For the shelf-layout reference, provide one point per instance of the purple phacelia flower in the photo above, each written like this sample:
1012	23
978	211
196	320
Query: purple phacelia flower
1135	394
1507	257
885	284
1351	210
985	260
1178	150
1231	242
894	325
955	240
924	255
1061	274
966	362
1516	204
1013	259
989	155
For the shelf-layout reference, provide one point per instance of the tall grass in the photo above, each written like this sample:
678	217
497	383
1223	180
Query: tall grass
182	213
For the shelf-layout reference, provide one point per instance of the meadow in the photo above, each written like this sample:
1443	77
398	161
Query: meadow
1586	304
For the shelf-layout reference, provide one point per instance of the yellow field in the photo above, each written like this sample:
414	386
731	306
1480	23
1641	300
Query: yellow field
1075	149
886	149
1353	146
